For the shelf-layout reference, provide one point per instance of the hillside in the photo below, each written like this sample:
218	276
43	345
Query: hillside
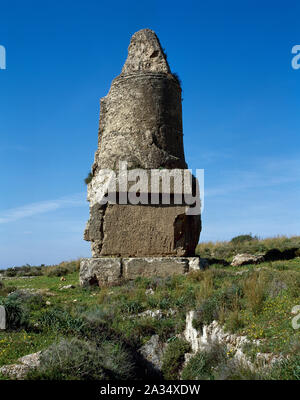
99	333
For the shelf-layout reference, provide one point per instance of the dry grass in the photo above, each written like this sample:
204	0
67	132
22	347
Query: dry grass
227	250
254	290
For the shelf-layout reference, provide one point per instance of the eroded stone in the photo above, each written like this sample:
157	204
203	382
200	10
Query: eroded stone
104	271
141	123
2	318
100	271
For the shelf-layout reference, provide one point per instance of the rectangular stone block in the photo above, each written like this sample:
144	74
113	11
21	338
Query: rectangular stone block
104	271
145	231
100	271
156	266
2	318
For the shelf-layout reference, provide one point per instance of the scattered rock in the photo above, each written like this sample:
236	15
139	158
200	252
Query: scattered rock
156	313
21	369
149	292
153	352
67	287
214	334
198	263
243	259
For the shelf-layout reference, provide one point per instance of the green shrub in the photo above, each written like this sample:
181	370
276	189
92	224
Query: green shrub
242	238
280	266
10	272
97	324
17	316
132	307
61	320
173	358
56	271
240	244
255	291
30	301
5	290
210	308
202	365
207	312
81	360
88	178
34	271
216	363
232	369
62	269
286	370
25	270
234	321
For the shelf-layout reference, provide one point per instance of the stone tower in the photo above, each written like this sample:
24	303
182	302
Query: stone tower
140	123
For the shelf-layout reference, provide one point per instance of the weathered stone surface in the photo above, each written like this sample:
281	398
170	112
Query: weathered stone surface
100	271
153	352
141	123
107	270
2	318
141	117
145	54
243	259
135	231
197	263
214	334
21	369
67	287
147	267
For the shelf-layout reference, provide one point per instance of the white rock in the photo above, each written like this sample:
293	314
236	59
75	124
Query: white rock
67	287
190	333
244	259
153	351
20	370
214	333
2	318
149	292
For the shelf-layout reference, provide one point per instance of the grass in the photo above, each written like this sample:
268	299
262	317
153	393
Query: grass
227	250
255	301
173	358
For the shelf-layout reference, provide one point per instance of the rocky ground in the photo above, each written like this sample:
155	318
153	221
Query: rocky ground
224	322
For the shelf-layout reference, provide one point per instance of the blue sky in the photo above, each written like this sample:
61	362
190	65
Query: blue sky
240	113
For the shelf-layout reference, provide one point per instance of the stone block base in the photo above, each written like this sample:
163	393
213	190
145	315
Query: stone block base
120	230
111	271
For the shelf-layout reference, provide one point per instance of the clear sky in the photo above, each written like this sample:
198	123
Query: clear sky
240	113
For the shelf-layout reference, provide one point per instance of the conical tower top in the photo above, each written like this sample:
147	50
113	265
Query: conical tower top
145	54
